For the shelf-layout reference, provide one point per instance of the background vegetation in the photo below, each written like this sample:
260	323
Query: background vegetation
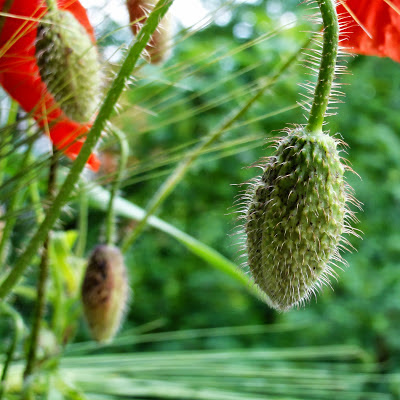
193	331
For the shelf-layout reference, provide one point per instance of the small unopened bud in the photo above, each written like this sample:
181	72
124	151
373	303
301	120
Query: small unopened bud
105	292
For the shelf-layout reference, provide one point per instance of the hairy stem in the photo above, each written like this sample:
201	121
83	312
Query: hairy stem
93	136
43	274
327	67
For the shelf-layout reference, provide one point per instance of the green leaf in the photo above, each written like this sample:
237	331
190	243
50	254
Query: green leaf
99	198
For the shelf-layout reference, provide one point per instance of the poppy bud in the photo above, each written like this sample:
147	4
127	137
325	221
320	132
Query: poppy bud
158	48
105	291
68	64
295	218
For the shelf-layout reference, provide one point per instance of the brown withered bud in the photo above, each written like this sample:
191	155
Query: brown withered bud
158	48
105	292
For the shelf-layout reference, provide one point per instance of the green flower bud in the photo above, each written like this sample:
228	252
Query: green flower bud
295	218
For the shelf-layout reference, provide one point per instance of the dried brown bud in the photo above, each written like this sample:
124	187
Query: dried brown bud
105	292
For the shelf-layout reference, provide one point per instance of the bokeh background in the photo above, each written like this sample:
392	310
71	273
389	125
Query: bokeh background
344	343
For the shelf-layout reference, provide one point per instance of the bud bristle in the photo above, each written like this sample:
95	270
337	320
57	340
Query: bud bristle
105	292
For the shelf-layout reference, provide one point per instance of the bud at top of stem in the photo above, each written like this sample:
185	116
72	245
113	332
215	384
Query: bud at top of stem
295	217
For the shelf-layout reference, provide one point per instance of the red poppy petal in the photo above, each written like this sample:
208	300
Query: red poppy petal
380	20
68	136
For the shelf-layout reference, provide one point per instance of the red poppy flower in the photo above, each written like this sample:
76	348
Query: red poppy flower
375	27
20	76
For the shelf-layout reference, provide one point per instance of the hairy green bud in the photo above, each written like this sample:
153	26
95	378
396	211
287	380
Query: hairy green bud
105	292
295	217
68	64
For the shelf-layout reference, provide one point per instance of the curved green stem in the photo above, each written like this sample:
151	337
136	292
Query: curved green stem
328	65
83	222
93	136
123	159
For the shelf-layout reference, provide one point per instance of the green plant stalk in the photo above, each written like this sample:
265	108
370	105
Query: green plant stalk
17	336
123	159
83	223
180	171
34	194
58	303
328	64
43	275
92	138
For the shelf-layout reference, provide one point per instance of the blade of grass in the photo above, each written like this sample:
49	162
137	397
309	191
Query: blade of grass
135	337
99	198
177	175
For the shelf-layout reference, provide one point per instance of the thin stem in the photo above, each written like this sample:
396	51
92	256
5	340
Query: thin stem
123	159
34	194
83	222
92	138
179	172
43	274
328	64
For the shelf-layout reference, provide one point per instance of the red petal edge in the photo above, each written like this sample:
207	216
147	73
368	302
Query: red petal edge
20	77
379	19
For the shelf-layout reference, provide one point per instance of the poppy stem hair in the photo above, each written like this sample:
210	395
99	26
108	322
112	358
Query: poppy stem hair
327	67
